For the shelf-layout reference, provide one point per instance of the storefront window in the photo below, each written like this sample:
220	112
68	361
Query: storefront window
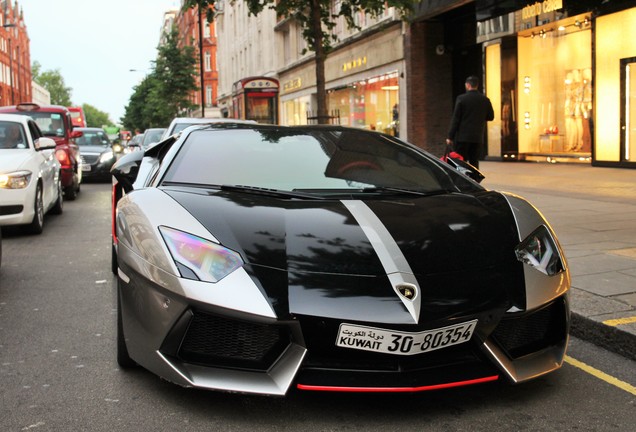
295	111
371	104
555	92
615	83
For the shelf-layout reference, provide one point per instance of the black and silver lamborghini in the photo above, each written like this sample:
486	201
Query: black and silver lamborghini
258	259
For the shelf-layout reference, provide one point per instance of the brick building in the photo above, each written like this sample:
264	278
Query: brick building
195	31
15	58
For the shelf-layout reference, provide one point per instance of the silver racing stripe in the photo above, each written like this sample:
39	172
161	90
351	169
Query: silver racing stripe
395	265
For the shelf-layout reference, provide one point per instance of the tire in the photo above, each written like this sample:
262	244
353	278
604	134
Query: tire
113	260
70	193
58	207
37	224
123	359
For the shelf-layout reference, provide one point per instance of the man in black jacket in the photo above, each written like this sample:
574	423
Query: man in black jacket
472	110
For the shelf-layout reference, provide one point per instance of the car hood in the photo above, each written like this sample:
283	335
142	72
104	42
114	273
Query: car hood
13	159
337	256
88	149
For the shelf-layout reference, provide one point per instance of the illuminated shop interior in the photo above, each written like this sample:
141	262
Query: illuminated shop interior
372	103
555	93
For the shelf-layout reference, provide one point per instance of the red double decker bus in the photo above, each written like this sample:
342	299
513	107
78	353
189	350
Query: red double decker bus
77	116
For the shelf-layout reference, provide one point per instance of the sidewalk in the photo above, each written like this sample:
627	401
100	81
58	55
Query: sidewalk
593	212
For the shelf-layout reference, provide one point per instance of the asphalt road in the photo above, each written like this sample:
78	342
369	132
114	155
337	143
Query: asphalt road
58	370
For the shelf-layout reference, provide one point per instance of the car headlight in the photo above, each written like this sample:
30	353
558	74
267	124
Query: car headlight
207	261
15	180
105	157
540	251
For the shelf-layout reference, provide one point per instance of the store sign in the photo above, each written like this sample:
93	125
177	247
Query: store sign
294	84
353	64
261	84
539	8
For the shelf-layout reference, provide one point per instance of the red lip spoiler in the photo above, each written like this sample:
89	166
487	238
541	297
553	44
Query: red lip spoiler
397	389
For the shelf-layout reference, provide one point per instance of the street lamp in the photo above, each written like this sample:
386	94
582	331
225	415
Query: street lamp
201	62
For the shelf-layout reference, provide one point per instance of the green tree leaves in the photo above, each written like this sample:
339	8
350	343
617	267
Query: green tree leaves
165	92
95	117
53	81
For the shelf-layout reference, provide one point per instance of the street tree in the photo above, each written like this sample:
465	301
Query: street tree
53	81
165	92
95	117
317	18
136	114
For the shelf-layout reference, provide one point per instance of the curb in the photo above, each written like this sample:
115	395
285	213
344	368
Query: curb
612	338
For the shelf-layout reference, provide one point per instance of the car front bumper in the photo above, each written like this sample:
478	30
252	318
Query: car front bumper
193	343
17	206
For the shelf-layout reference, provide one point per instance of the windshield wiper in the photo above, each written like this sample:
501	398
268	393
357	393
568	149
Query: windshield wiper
376	189
269	192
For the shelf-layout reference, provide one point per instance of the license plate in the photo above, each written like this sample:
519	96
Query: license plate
403	343
86	167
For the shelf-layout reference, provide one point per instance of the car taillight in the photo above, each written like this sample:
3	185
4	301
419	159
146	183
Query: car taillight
62	157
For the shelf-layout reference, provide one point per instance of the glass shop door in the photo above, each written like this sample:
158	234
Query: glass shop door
628	109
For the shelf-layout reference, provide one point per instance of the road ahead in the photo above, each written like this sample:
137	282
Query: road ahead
58	370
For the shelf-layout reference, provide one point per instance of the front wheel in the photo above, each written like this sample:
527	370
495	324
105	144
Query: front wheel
37	224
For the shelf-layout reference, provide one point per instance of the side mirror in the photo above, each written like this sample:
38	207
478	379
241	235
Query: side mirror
44	143
77	134
125	170
466	169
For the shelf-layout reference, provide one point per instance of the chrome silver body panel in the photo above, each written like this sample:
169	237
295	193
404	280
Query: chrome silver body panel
275	381
540	288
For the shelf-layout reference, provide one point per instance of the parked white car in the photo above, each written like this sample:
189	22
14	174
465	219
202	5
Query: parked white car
30	182
180	123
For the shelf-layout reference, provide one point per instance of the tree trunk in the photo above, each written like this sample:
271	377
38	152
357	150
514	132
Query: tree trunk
321	55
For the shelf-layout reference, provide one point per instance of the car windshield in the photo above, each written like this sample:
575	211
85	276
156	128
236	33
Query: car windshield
50	123
92	138
181	126
307	160
152	136
12	136
136	140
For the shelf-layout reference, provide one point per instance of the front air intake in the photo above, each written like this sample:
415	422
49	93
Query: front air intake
533	331
213	340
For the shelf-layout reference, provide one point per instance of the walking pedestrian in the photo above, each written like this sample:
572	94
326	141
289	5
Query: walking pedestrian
472	110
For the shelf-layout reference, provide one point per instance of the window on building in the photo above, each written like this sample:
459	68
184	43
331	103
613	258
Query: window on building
286	46
555	98
207	61
208	95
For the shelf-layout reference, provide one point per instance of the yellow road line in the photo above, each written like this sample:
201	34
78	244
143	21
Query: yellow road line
601	375
619	321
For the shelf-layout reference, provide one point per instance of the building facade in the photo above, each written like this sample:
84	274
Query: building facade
362	72
195	31
248	47
562	74
362	75
15	58
41	96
